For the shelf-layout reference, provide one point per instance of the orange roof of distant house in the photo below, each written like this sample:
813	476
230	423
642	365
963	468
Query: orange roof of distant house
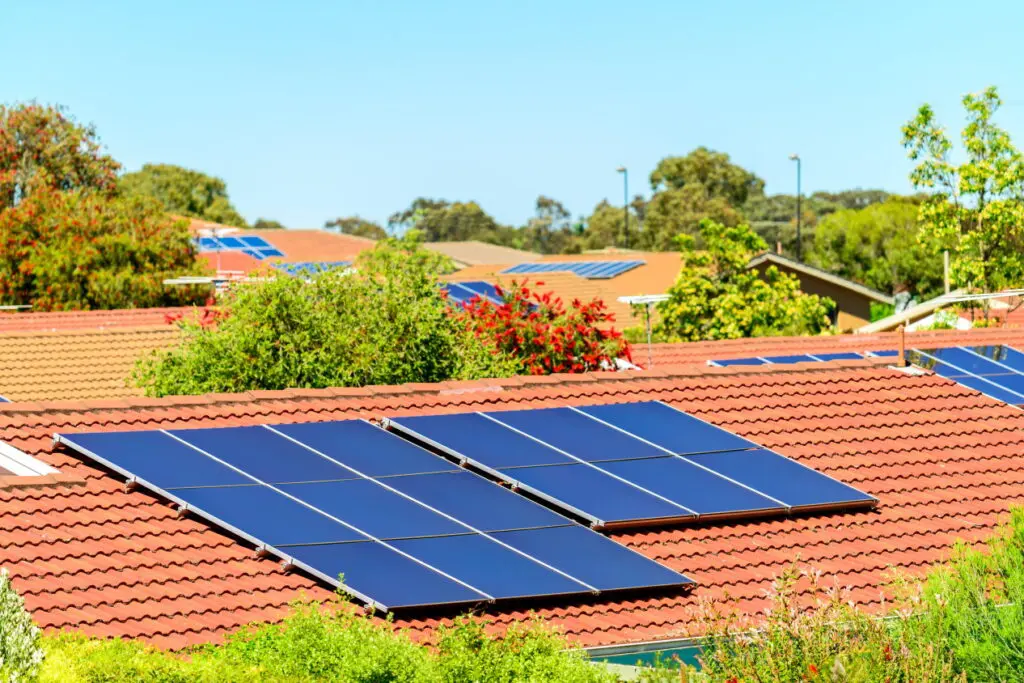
314	245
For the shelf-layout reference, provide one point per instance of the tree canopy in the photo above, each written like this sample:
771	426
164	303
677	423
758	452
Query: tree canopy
82	250
878	246
975	209
358	227
713	171
442	221
44	147
715	296
184	191
266	224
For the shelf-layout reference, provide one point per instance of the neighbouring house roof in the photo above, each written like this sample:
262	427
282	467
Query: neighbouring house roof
568	286
772	258
944	461
314	245
58	321
78	364
473	253
684	354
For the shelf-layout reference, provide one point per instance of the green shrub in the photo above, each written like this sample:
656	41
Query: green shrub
20	649
328	643
385	324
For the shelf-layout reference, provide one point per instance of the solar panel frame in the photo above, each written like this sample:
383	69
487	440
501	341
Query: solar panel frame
592	270
939	367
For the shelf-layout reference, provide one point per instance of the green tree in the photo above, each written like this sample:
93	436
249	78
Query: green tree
550	231
680	211
441	221
712	170
605	227
356	226
715	296
975	209
184	192
267	224
81	250
878	246
44	147
386	323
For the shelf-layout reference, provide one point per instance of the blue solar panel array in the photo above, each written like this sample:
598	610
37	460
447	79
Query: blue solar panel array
311	268
464	292
630	464
800	358
997	371
592	270
254	246
406	527
4	400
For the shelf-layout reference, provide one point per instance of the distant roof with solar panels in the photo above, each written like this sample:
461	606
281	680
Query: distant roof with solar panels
252	245
592	270
996	371
464	292
405	527
311	268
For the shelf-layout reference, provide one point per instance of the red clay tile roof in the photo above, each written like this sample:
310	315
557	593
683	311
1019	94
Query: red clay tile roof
313	245
86	320
683	354
944	461
79	364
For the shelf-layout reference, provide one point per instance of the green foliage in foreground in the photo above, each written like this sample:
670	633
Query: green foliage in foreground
716	296
318	643
385	324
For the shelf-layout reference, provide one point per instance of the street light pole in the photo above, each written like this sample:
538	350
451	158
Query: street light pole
799	217
625	202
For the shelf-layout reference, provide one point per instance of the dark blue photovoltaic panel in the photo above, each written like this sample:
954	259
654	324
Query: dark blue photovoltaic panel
208	244
484	289
475	437
964	360
232	243
4	400
427	540
846	355
587	269
1008	356
577	434
596	495
573	548
271	251
476	501
255	241
993	386
157	458
885	353
739	361
490	566
671	429
267	515
265	455
368	449
384	575
787	360
370	507
703	492
781	478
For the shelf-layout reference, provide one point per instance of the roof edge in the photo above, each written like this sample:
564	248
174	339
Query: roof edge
781	260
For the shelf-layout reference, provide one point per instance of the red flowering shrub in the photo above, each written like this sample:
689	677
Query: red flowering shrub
83	250
543	334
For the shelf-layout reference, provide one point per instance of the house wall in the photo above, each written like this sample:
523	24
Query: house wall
854	308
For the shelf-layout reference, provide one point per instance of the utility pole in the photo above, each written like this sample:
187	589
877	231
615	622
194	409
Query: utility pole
625	202
799	217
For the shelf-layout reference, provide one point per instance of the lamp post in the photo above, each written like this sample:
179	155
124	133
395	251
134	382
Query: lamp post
799	218
625	202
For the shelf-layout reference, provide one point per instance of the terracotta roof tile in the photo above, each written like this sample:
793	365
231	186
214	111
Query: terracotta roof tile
945	462
82	364
475	253
314	245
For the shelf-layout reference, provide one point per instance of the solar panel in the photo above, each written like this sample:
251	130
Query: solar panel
992	371
209	244
253	245
405	527
593	270
4	400
255	241
800	358
629	464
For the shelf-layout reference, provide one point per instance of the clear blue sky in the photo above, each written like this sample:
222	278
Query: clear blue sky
311	110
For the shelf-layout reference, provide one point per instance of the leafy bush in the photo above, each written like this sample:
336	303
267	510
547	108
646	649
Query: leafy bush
20	650
543	335
385	324
716	296
318	643
84	250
